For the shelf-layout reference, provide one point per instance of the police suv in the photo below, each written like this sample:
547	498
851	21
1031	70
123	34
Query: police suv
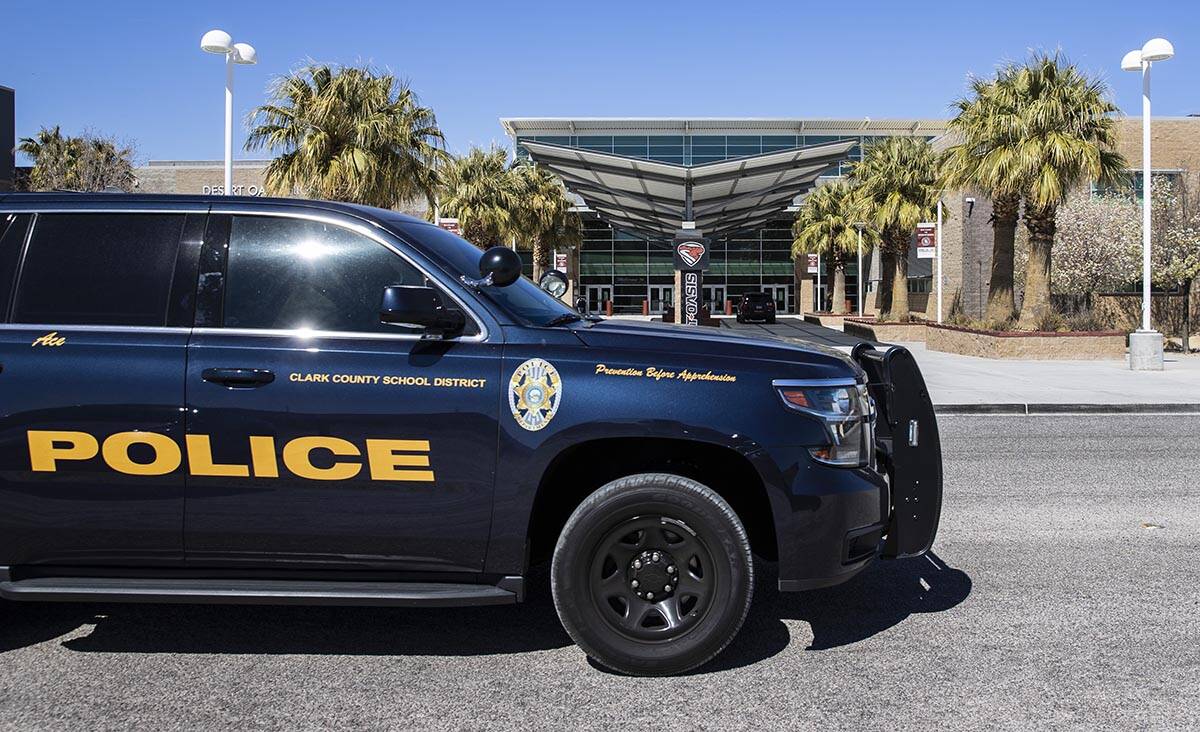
247	400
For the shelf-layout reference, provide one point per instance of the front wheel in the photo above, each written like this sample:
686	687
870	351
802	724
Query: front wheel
652	574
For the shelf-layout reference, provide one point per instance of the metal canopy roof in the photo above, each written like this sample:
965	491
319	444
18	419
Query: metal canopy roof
651	197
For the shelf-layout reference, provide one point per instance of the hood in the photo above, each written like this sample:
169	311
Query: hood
709	342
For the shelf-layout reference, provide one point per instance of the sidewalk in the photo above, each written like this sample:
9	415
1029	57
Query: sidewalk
970	384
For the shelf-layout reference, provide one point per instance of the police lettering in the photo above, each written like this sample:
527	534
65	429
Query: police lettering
386	460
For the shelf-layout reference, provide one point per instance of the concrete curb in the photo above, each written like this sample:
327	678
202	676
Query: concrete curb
1036	409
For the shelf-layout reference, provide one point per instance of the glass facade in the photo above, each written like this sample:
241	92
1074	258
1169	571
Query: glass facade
633	271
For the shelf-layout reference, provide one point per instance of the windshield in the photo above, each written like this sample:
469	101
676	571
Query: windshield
522	299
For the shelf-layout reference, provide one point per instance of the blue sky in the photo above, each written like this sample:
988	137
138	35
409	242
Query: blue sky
135	70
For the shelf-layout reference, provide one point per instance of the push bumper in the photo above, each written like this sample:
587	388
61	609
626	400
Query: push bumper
839	520
830	536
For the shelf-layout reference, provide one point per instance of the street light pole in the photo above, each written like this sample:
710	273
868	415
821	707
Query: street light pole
859	277
939	260
1145	345
221	43
228	124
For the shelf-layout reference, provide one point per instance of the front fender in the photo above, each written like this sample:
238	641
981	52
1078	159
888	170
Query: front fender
630	398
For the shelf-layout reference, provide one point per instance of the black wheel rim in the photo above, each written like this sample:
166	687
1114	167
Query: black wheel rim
652	578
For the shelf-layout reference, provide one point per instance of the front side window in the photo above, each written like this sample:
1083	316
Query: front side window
522	299
298	274
98	269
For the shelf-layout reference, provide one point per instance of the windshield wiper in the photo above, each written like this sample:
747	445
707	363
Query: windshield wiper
562	320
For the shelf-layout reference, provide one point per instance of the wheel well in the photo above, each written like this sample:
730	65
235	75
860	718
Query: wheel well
581	469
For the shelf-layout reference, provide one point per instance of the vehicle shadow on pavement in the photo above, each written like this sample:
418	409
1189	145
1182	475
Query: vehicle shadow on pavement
881	597
314	630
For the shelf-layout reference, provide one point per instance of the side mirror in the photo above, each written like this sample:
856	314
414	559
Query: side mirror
501	264
419	307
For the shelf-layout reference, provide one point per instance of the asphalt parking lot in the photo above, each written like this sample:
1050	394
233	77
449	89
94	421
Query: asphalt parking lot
1053	601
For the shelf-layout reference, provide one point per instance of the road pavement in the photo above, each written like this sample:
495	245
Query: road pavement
1063	594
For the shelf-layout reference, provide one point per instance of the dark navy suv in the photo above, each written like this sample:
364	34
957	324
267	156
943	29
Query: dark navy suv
274	401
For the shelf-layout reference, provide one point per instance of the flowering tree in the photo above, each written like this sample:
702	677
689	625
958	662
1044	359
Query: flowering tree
1175	236
1098	245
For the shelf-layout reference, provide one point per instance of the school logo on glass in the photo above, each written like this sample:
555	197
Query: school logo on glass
534	393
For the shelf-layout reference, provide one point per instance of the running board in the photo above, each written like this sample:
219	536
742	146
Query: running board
261	592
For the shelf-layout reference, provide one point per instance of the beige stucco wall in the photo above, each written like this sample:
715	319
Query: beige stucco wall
200	177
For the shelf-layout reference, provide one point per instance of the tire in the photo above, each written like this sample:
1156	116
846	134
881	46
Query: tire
641	528
740	319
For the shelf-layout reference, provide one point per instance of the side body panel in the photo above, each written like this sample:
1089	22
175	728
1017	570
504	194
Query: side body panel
364	389
99	382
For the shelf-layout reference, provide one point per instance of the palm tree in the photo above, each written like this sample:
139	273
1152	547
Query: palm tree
89	162
825	225
986	159
1063	135
898	179
480	191
348	134
55	159
543	217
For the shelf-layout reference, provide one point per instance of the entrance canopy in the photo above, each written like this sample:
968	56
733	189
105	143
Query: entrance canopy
655	198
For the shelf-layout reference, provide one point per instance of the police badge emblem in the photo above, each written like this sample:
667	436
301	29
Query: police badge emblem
534	393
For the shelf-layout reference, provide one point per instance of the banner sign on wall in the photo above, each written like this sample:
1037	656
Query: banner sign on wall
691	297
926	240
691	254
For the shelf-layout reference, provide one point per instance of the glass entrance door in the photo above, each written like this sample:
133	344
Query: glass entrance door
779	294
597	297
661	298
714	295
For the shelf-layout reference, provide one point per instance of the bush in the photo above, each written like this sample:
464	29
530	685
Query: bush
1086	320
1051	322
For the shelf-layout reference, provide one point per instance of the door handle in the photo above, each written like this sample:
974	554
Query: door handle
238	378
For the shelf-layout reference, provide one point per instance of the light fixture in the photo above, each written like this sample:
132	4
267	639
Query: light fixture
244	54
1132	61
216	41
1157	49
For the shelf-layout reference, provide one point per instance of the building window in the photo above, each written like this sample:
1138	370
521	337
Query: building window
1135	187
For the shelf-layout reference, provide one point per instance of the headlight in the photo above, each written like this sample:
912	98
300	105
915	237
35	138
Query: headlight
846	410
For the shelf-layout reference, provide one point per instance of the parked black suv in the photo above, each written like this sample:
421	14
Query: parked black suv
756	306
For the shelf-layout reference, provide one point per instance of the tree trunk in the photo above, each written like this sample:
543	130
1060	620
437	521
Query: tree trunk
1000	302
899	311
887	272
1187	316
540	259
1035	306
839	287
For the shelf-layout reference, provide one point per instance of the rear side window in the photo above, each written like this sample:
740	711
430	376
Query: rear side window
98	269
289	274
12	239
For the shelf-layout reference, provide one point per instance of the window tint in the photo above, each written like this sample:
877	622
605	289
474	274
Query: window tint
12	240
293	273
98	269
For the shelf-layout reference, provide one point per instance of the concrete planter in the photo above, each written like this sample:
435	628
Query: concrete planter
872	330
829	320
1032	345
